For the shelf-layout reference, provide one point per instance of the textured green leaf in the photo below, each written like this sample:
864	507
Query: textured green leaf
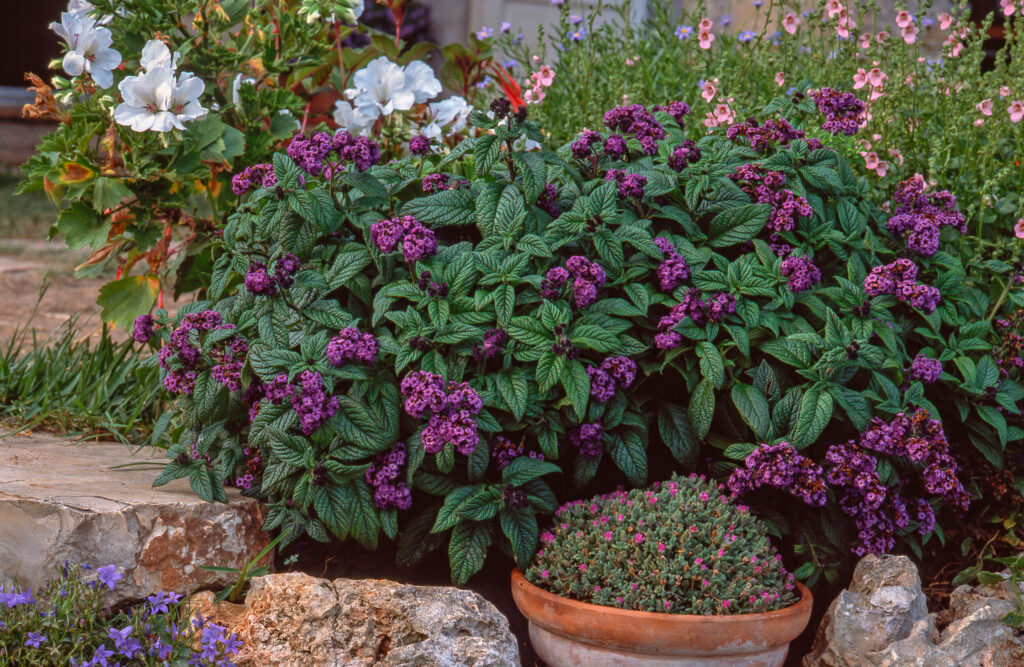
677	434
738	225
702	407
467	550
520	527
753	408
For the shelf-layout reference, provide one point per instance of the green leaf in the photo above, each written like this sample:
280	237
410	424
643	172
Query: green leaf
522	469
630	455
711	365
108	193
81	226
443	209
521	529
702	408
677	434
753	408
125	299
467	550
462	500
814	415
738	225
577	386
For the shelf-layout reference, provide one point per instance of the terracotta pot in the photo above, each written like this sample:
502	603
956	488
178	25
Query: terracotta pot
567	633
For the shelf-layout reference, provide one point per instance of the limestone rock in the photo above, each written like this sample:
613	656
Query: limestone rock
61	501
295	619
883	604
882	621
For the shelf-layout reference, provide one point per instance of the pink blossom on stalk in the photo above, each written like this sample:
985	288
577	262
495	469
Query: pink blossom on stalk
790	23
705	25
1016	111
904	19
844	25
834	8
945	20
895	154
984	106
860	78
780	79
545	76
704	39
708	90
909	34
978	122
865	40
1018	229
877	77
1007	7
723	114
1004	91
882	36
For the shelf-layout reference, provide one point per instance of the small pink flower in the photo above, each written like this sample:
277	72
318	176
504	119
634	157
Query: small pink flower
882	36
870	159
780	79
597	589
1007	7
667	605
909	34
790	23
757	570
860	78
956	49
984	106
877	77
545	76
633	586
725	604
708	91
546	537
545	574
1004	91
704	39
945	20
638	538
834	8
629	62
904	19
706	583
705	25
1016	111
583	567
704	496
661	547
608	536
1018	229
865	40
620	600
693	530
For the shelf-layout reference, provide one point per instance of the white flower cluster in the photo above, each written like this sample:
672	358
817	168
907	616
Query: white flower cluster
383	88
157	100
88	43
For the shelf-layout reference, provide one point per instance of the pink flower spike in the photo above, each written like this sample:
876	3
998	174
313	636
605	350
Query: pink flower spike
909	34
780	79
704	39
790	23
1016	111
945	20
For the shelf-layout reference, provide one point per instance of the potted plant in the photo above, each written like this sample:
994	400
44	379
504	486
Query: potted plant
674	574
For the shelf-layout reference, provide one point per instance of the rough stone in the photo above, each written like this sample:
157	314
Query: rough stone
61	501
882	621
295	619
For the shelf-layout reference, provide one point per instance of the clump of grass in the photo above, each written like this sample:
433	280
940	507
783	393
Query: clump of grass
71	384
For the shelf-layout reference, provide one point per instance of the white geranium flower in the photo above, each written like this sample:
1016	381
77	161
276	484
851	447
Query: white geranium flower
454	111
351	119
155	101
88	48
156	54
381	89
236	85
419	78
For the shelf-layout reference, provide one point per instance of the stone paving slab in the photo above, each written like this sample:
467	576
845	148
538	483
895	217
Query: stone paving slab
62	501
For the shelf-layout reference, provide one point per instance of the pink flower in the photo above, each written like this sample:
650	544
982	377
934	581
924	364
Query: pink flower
546	537
704	496
620	600
638	538
545	574
780	79
725	604
790	23
545	76
1016	111
608	536
877	77
896	155
706	583
956	49
1004	91
834	8
860	78
945	20
1007	6
909	34
693	531
597	589
870	159
1018	229
704	39
984	106
882	36
705	25
865	40
904	19
661	547
583	567
667	605
708	90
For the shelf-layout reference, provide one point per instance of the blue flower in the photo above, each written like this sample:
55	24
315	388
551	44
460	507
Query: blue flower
578	34
510	63
684	31
108	575
575	18
792	89
485	33
758	3
927	22
726	19
159	603
35	639
505	27
100	655
746	35
161	649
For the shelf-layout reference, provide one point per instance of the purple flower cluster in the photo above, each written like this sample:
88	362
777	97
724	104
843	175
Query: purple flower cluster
674	270
767	187
925	369
419	145
142	329
381	475
181	357
351	344
258	175
698	309
253	467
588	277
635	119
587	438
762	136
493	343
921	216
436	182
258	280
613	372
879	512
583	147
684	155
548	200
801	272
630	185
453	407
677	109
309	400
417	241
228	357
780	466
615	146
310	152
843	111
899	279
504	451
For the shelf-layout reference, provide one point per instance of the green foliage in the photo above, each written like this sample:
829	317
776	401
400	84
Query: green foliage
680	547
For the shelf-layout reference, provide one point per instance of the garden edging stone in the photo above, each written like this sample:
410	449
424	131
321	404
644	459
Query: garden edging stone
62	502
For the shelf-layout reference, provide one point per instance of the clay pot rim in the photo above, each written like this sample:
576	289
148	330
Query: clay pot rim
597	624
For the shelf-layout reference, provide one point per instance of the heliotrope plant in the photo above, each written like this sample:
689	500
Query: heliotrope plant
419	348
